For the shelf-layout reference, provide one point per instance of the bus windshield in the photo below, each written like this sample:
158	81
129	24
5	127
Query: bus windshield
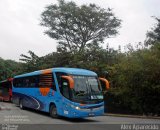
86	89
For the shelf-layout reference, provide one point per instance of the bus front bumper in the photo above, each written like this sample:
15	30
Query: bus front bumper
82	113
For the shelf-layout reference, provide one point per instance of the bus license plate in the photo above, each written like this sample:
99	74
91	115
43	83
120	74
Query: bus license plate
91	114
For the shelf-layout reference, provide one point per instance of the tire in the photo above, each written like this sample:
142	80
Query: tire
21	104
53	111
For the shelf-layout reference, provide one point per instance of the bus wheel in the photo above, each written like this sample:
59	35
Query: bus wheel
53	111
21	104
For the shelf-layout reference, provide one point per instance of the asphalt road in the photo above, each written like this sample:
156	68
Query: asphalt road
11	114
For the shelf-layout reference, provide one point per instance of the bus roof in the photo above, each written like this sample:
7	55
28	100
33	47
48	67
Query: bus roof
74	71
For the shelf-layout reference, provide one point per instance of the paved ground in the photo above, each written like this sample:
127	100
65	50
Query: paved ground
10	113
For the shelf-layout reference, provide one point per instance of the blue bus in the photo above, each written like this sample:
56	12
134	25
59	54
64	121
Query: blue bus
68	92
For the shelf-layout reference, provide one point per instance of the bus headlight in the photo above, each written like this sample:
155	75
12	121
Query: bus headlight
75	107
78	108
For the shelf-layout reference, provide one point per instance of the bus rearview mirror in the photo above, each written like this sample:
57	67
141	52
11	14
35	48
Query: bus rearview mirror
106	82
70	80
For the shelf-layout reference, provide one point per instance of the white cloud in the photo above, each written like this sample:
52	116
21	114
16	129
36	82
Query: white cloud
20	30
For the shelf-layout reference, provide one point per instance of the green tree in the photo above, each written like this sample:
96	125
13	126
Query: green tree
31	62
136	82
154	35
77	26
8	68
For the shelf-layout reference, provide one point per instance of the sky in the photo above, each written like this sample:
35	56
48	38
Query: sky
20	30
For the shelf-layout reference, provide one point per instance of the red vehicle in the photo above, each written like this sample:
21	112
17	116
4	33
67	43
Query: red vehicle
6	90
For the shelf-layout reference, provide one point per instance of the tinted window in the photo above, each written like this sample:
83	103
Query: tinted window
63	85
59	79
44	80
31	81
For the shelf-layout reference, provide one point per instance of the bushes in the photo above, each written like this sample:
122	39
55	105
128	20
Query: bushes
137	83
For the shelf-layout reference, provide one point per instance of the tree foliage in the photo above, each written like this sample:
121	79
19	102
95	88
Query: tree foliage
31	62
137	82
77	26
154	35
8	68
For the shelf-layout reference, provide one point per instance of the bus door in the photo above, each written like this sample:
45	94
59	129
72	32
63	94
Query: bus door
65	91
67	85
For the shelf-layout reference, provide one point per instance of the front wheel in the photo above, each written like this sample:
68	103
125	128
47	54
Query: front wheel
53	111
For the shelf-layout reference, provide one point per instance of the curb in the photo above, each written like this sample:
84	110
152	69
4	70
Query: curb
131	116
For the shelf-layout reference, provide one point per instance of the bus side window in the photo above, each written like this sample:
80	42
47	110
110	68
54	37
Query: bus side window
58	76
63	84
65	88
17	82
34	81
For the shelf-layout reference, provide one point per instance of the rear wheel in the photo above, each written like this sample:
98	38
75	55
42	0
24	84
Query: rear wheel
53	111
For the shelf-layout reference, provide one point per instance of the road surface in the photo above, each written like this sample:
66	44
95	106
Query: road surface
12	114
